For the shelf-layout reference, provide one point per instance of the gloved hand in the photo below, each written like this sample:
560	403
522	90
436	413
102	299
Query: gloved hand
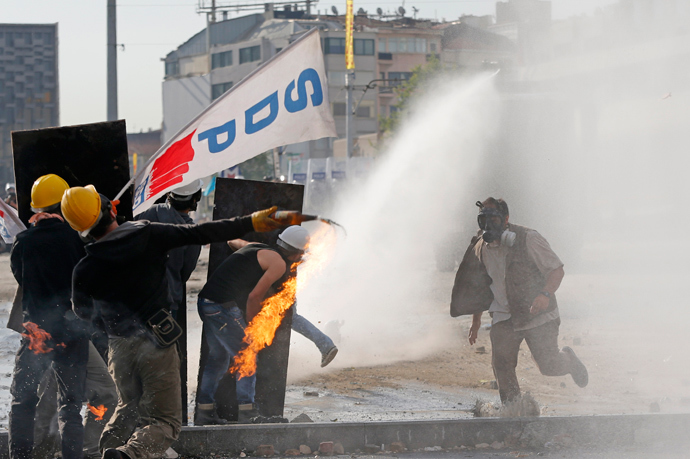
262	221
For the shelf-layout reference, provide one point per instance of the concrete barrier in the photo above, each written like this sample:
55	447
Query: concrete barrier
580	431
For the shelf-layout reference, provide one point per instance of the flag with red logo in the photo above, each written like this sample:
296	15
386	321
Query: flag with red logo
10	224
284	101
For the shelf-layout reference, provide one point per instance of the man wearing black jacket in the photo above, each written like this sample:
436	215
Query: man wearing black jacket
42	260
123	276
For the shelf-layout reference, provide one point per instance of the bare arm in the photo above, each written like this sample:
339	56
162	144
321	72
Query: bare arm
553	281
274	268
474	329
237	244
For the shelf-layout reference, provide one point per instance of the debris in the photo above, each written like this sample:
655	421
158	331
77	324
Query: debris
170	453
302	418
497	445
654	407
397	447
292	452
304	449
243	454
265	451
369	448
519	454
311	393
338	448
482	446
481	350
433	448
326	448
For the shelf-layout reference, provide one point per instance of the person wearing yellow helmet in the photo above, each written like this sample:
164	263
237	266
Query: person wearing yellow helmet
42	260
123	277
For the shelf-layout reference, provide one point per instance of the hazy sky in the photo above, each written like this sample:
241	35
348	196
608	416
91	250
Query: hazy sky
149	29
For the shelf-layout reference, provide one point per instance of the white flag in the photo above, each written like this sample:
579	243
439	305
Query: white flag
10	224
284	101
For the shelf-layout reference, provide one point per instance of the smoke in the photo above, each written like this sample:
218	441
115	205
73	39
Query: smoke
589	148
380	280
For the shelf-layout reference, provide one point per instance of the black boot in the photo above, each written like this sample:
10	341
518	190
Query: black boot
246	413
206	415
112	453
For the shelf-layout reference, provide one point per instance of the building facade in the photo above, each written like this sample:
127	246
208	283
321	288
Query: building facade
28	84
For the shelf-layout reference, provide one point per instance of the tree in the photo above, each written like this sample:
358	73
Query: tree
406	92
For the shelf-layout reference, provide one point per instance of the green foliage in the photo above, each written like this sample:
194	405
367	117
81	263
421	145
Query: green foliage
258	167
406	91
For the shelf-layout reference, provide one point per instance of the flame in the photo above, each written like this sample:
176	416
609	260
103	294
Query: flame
262	329
37	338
98	411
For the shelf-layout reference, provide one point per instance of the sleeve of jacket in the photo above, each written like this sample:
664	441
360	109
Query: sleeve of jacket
171	236
471	291
82	301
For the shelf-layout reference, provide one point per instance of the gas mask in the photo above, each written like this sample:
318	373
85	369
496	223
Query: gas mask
490	221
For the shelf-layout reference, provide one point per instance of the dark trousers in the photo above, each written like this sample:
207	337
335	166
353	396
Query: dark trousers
543	344
69	365
100	390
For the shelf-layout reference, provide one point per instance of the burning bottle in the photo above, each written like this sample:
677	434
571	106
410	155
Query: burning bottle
292	217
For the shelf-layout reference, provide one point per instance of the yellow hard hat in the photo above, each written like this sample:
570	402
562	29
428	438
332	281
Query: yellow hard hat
47	191
81	207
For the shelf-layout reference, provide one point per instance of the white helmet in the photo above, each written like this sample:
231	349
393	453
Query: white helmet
294	238
185	193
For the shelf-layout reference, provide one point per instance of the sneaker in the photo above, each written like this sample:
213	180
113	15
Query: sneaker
208	417
578	371
328	356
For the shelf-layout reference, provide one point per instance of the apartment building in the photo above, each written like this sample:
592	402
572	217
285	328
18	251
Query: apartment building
28	84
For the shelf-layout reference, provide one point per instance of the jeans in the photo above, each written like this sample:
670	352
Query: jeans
313	334
224	332
69	366
147	379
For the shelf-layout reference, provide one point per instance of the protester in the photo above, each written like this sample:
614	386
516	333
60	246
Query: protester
123	278
227	303
301	324
512	272
42	260
182	260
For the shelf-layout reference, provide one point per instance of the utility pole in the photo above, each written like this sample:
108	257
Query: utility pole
349	121
112	61
210	19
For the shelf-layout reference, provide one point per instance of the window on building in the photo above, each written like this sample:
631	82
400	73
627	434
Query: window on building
382	45
50	65
278	50
407	45
364	47
48	38
334	45
432	47
363	111
172	68
223	59
27	39
218	90
251	54
339	109
400	76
